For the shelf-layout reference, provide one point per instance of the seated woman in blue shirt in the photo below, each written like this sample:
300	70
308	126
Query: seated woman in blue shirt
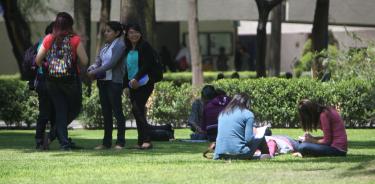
235	131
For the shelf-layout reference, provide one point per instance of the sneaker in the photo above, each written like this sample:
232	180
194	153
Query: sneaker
265	156
118	147
101	147
146	146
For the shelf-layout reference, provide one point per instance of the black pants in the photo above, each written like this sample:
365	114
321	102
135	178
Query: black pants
66	97
46	112
111	102
138	98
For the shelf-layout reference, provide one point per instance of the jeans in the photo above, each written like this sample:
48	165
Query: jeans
138	98
110	94
312	149
66	97
46	112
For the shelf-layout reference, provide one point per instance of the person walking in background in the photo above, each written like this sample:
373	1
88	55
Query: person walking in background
139	65
166	59
313	116
109	71
235	131
222	60
183	58
61	49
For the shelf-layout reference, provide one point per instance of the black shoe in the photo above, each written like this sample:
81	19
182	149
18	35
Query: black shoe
73	145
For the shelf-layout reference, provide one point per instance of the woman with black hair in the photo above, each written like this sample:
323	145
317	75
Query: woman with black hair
139	62
108	70
313	116
63	53
235	136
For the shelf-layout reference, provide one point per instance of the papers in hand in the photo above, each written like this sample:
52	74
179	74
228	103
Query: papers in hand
260	132
142	81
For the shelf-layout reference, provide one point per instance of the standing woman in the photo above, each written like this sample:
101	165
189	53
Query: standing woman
139	62
109	71
61	49
334	141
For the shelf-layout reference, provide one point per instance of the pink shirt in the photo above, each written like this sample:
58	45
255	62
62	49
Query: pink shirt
333	129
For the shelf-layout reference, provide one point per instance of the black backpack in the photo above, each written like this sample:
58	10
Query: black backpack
29	67
157	69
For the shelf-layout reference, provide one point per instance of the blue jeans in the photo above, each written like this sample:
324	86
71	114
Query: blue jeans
311	149
66	97
110	94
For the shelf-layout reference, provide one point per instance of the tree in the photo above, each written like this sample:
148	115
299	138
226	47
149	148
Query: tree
82	16
275	41
264	8
18	30
133	11
105	12
196	60
320	35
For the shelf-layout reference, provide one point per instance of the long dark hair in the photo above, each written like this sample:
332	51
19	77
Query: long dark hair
309	114
241	101
208	93
137	28
115	26
63	26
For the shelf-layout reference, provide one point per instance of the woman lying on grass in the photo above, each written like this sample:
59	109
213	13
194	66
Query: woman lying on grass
334	141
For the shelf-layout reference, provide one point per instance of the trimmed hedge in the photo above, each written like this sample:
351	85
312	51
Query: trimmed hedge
273	101
179	78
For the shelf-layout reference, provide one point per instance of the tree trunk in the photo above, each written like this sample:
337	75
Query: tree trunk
320	35
196	59
275	44
133	11
18	30
105	12
82	16
264	8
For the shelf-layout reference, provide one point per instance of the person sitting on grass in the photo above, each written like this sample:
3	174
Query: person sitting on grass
235	136
313	116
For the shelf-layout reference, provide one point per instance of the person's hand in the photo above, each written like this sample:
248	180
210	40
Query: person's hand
308	137
91	75
126	91
134	84
199	130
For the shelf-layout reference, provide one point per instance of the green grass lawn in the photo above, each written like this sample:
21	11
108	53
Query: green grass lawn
175	162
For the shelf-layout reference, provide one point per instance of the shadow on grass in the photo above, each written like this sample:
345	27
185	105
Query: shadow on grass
361	144
365	168
25	141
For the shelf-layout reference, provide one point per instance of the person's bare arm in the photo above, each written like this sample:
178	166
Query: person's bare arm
40	56
81	53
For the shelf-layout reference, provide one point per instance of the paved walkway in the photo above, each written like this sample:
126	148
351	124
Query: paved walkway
76	124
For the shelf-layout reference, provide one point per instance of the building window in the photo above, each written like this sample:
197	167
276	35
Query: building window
211	42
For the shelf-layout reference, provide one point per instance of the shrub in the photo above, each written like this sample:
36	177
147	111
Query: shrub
18	104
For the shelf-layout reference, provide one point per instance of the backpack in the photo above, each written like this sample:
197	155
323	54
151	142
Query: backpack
157	69
29	67
60	60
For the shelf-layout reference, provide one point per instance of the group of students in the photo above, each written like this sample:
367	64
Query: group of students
229	124
125	61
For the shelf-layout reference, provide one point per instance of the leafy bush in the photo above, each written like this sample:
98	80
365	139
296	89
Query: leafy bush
18	104
273	101
179	78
